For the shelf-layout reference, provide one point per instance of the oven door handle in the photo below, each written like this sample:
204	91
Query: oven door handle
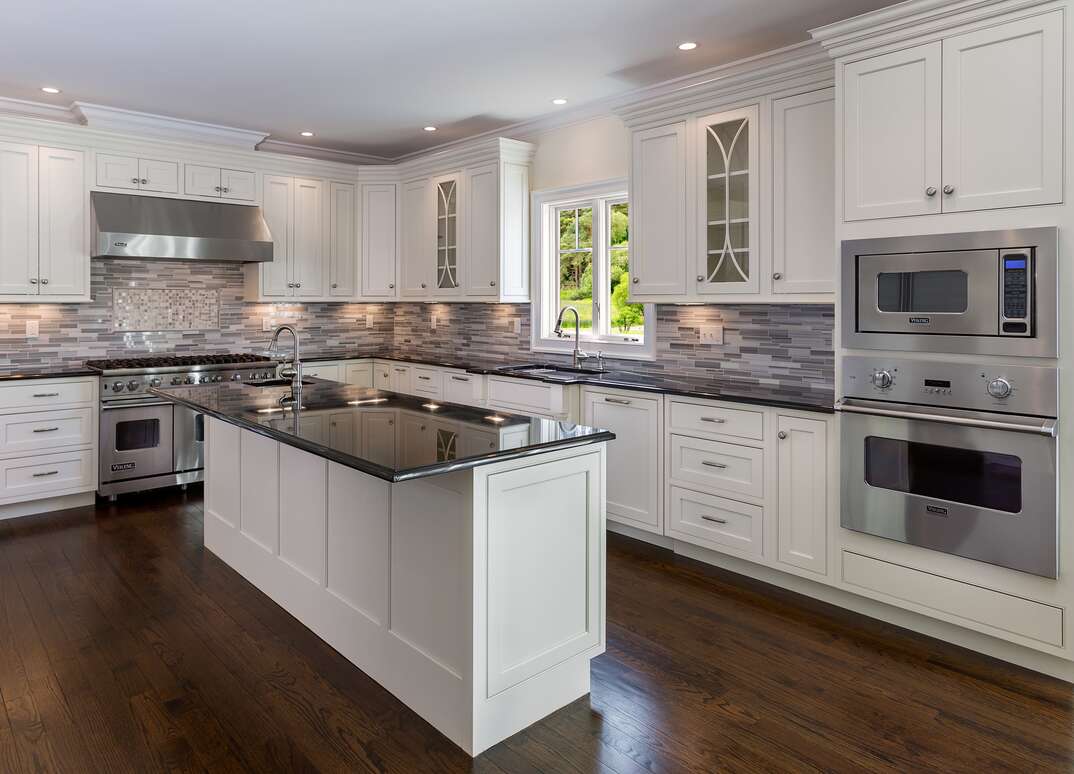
1032	425
134	404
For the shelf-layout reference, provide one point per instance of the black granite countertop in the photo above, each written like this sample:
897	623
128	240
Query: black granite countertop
731	390
19	373
391	436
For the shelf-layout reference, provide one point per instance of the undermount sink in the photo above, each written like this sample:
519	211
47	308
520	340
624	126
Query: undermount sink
274	383
565	372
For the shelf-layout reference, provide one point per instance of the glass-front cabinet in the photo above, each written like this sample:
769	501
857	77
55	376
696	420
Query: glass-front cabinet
728	243
447	234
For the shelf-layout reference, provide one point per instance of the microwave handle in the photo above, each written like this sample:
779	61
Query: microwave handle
1046	427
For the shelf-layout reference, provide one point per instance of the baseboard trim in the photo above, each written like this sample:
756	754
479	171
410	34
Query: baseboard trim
642	535
45	505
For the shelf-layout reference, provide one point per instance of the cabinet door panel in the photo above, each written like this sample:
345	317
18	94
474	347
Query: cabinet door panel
482	217
891	134
199	180
658	228
237	184
342	260
307	258
380	239
803	193
802	471
1003	115
64	254
448	229
18	219
159	176
418	245
117	171
278	203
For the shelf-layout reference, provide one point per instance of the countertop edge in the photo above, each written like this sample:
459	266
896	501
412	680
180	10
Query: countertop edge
58	373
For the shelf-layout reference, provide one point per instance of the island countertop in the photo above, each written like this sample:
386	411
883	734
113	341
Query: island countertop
391	436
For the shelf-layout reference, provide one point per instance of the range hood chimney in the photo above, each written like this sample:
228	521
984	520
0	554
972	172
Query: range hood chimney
151	227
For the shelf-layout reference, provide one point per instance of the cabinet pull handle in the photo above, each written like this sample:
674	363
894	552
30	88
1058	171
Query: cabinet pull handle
948	189
620	401
781	435
714	519
45	429
33	280
714	420
777	276
930	191
711	464
46	394
46	473
400	370
424	378
460	378
492	283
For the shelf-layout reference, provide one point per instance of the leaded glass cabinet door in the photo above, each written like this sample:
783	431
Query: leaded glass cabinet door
447	235
729	249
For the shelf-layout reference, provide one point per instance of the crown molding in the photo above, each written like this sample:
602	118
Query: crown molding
322	154
910	19
149	124
22	107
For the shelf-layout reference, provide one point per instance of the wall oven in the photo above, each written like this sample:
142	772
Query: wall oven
953	457
988	293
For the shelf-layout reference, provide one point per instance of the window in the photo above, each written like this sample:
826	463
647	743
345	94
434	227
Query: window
583	247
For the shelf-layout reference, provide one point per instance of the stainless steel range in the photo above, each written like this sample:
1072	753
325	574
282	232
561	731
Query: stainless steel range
147	442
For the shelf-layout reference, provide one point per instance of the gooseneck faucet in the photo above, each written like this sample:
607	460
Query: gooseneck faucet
579	355
295	369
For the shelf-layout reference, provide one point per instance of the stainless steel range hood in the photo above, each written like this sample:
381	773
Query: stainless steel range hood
148	227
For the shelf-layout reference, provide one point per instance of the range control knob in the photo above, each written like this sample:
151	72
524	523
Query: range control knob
999	388
132	385
236	377
189	380
155	382
881	379
117	387
218	378
177	380
205	379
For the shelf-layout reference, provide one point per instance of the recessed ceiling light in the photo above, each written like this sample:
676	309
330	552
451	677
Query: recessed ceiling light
429	128
50	90
688	46
559	101
306	134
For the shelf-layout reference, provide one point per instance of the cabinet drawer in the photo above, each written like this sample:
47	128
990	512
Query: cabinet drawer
359	374
720	466
464	389
40	430
525	396
329	372
699	418
47	474
427	382
715	522
45	393
973	606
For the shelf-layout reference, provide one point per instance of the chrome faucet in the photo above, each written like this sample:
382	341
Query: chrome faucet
294	372
579	355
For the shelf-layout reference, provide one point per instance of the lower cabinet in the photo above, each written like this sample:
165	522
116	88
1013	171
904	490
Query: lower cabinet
329	371
802	496
635	457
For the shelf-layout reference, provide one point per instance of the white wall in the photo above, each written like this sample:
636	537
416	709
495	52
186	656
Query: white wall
592	150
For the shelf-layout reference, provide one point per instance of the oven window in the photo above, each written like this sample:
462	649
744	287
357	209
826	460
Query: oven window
936	292
137	434
978	478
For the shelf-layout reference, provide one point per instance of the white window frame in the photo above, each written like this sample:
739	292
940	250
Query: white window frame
545	306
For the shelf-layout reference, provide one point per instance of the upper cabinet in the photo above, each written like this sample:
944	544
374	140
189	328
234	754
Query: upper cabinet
137	174
342	240
446	194
214	182
379	217
44	248
970	122
658	202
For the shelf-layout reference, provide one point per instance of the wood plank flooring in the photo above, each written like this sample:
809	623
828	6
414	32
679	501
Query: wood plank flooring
125	647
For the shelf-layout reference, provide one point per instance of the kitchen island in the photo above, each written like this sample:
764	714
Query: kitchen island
455	555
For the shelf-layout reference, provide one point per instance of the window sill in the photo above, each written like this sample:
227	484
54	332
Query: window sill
612	350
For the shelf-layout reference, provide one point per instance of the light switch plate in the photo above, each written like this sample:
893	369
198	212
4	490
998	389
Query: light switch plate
369	322
518	326
33	328
266	324
434	322
710	334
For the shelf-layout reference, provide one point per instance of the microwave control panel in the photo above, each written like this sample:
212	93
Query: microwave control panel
1016	277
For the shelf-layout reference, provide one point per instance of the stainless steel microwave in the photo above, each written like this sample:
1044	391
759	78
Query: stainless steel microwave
984	292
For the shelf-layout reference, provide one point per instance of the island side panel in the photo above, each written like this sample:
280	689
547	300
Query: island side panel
539	543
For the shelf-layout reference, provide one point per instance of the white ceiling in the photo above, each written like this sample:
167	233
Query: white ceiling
365	75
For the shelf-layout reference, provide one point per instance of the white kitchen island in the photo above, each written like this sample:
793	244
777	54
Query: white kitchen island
454	555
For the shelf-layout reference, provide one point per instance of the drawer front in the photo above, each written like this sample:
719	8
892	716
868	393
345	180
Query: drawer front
382	375
359	375
41	430
401	379
698	418
715	522
973	606
47	475
427	382
462	389
525	395
320	371
43	394
724	467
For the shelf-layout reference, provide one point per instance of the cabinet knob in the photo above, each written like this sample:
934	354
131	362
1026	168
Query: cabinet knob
930	191
144	181
335	285
777	276
423	284
134	180
218	189
33	280
700	277
298	284
634	280
782	435
44	281
226	190
391	286
492	283
948	189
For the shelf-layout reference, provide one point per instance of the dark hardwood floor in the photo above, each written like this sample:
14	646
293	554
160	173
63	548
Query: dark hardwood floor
125	647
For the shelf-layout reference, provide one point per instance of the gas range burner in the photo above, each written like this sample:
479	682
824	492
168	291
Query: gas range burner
172	361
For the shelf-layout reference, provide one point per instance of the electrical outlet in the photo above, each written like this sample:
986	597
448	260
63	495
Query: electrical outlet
517	325
433	318
710	334
266	324
33	328
369	322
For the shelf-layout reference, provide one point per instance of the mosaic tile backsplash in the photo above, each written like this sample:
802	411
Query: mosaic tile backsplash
786	345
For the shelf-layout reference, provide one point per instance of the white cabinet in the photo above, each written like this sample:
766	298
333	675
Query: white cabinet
418	259
971	122
329	371
380	239
131	173
1003	115
658	204
278	202
427	382
382	375
803	193
294	211
448	231
307	250
358	374
400	378
635	496
481	270
43	233
802	498
235	184
342	255
463	388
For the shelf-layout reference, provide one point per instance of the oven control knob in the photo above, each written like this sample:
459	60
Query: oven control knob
132	385
999	388
881	379
205	379
177	380
117	387
236	377
190	380
218	378
155	382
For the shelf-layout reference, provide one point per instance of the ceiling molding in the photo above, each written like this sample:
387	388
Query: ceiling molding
149	124
22	107
323	154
